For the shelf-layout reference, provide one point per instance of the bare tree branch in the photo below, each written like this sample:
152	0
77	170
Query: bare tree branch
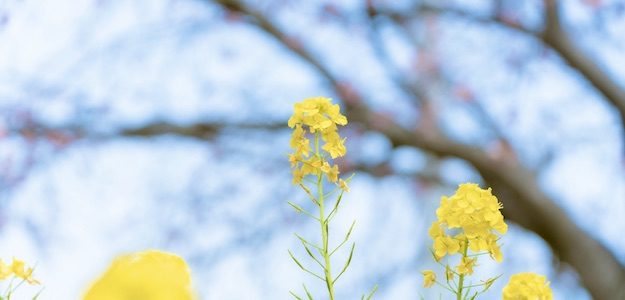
554	36
560	40
202	131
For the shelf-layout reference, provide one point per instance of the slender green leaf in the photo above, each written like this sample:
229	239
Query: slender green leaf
349	233
349	260
375	289
336	206
304	268
307	242
299	209
310	297
304	243
309	193
295	295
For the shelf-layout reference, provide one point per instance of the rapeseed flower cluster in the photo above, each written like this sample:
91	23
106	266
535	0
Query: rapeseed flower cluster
475	212
524	286
319	117
468	220
148	275
470	223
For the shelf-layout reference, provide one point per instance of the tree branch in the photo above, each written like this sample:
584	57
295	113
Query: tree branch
554	36
560	40
202	131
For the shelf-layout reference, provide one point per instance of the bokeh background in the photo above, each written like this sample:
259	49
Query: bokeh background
128	125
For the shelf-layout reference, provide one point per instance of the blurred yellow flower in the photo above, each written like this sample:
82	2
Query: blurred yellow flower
333	173
527	286
343	185
429	278
19	269
148	275
5	270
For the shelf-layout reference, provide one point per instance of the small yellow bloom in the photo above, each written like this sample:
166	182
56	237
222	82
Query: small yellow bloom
334	145
495	251
293	160
5	270
429	278
149	275
446	245
19	269
343	185
527	286
436	230
466	265
333	173
298	175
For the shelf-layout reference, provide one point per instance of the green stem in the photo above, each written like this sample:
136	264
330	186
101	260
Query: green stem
461	276
324	228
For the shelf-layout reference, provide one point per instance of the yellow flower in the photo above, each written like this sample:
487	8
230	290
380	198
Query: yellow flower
495	251
299	142
343	185
436	230
527	286
466	265
318	113
5	270
334	145
298	175
446	245
293	160
429	278
321	118
477	213
313	165
148	275
333	173
19	269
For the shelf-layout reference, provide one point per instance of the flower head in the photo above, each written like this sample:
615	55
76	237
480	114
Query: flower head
476	212
429	278
319	117
148	275
527	286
